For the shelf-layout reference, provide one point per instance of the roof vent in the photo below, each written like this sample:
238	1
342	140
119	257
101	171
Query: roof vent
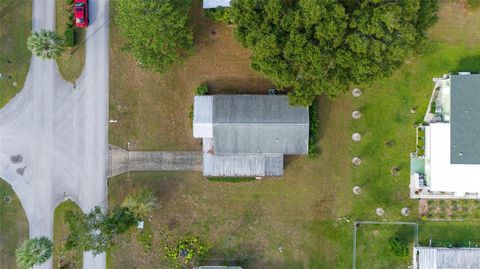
460	154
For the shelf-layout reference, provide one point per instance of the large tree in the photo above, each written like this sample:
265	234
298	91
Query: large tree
97	230
34	252
46	44
322	46
155	32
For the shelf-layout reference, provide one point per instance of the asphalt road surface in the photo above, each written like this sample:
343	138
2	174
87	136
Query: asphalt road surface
53	136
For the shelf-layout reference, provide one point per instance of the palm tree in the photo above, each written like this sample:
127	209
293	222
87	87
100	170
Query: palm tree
34	251
46	44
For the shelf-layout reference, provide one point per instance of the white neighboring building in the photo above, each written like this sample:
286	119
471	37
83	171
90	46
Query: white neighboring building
446	258
447	161
215	3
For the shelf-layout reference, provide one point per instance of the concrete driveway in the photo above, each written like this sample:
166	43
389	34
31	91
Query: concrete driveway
53	137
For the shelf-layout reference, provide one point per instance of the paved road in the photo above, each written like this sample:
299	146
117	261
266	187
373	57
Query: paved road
122	161
53	137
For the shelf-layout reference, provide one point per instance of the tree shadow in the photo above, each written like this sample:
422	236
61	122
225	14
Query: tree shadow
229	85
468	64
248	255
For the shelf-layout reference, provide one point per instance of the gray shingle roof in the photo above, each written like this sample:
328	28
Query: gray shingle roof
247	135
259	124
261	109
465	119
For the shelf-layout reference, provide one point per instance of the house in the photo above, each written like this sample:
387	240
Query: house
248	135
215	3
446	258
446	163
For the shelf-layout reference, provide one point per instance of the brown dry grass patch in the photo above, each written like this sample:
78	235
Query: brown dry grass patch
152	109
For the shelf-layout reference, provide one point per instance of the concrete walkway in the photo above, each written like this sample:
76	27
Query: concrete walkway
53	137
122	161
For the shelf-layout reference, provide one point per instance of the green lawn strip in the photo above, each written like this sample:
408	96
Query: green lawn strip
16	24
13	226
449	234
60	232
71	62
373	249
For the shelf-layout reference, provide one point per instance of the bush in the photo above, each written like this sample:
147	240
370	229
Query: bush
474	3
189	250
69	2
313	131
398	246
433	107
70	16
202	89
69	37
69	24
145	238
219	14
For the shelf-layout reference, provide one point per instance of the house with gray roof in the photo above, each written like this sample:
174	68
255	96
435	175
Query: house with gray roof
248	135
446	163
446	258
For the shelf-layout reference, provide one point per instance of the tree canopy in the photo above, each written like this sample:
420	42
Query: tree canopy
154	32
142	204
96	231
46	44
322	46
34	252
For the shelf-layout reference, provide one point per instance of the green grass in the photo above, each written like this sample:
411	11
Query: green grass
13	226
385	106
60	232
373	250
15	27
71	62
474	3
449	234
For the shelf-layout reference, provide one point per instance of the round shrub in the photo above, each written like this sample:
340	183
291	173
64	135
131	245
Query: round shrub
202	89
398	246
69	37
69	24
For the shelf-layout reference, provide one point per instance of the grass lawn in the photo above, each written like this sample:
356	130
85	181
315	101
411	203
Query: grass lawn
60	232
138	98
449	234
72	60
16	24
13	226
373	249
298	221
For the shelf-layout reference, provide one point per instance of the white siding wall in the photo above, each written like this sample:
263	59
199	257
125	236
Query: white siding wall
203	116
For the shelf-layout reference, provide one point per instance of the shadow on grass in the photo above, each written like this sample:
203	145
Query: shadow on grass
468	64
231	179
247	255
